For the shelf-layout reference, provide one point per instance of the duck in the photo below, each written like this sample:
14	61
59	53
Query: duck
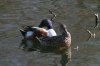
31	31
61	40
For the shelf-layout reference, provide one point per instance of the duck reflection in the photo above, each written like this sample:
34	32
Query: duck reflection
66	57
28	45
33	45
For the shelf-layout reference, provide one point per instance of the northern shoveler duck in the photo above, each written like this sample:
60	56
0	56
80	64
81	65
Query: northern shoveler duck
31	32
61	40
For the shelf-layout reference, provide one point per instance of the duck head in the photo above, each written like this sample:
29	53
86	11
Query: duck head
63	29
66	34
46	23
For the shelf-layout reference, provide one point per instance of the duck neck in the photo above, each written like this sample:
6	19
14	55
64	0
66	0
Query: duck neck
65	33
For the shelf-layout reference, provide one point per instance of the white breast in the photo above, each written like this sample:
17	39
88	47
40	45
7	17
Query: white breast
51	32
29	33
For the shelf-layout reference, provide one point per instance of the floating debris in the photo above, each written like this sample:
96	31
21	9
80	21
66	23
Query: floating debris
96	20
91	34
76	48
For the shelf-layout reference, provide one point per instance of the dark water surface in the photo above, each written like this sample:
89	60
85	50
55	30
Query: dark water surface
78	15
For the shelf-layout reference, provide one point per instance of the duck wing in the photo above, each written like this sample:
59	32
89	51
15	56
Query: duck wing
52	41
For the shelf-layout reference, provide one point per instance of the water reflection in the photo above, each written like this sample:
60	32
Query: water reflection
33	45
28	45
66	57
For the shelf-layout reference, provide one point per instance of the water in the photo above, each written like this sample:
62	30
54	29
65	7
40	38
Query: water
78	15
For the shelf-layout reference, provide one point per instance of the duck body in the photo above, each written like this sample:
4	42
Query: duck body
39	31
61	40
56	41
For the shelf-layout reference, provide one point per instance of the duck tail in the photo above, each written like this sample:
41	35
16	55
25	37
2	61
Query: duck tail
22	32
